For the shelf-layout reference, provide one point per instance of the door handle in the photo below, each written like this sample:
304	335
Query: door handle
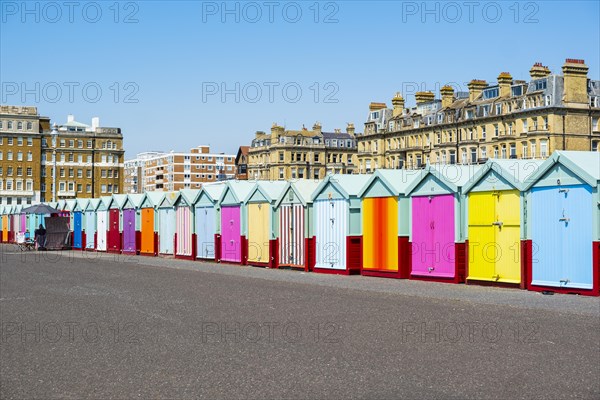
496	277
498	223
430	269
564	282
565	190
564	219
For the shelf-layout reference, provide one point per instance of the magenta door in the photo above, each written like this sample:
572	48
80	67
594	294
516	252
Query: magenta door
433	236
129	231
231	249
23	223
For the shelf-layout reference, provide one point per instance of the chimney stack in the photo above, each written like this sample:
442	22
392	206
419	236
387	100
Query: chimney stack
539	71
377	106
398	103
95	123
575	82
350	129
476	86
447	93
70	118
504	82
424	97
317	127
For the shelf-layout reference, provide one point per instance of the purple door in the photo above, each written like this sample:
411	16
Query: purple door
433	236
23	223
231	249
129	231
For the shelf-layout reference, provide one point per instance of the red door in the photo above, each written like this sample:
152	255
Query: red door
114	236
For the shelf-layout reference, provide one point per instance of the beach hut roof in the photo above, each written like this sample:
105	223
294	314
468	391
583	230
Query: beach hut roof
239	190
92	205
70	205
168	199
81	204
585	164
270	190
454	176
516	173
186	195
117	201
347	185
134	199
213	191
153	198
304	189
396	181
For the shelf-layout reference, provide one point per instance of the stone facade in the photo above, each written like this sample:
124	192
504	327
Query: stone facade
509	119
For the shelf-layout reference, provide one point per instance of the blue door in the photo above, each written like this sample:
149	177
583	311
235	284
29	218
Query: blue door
205	232
77	237
561	232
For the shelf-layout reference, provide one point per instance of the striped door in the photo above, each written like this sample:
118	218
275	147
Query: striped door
205	232
380	234
101	227
231	249
147	246
291	235
166	230
258	232
331	229
77	231
184	231
90	229
561	231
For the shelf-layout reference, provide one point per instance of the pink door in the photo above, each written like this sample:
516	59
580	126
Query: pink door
23	223
433	236
231	249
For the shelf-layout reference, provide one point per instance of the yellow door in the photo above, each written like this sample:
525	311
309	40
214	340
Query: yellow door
482	240
258	232
508	237
380	234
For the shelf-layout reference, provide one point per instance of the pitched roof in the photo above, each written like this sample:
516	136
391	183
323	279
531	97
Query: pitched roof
304	189
455	176
517	173
348	185
586	164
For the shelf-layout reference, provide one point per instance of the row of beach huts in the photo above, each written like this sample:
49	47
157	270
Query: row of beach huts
525	223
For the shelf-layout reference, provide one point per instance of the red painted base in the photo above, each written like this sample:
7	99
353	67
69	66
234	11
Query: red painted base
309	254
335	271
244	245
354	254
404	263
459	268
594	291
274	253
217	247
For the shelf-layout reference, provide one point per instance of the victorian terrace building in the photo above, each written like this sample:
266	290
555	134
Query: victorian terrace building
509	119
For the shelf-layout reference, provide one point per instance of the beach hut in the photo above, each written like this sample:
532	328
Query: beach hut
262	223
495	222
185	238
563	227
385	223
132	223
233	222
295	236
102	223
77	213
5	224
337	224
114	234
166	224
90	223
207	217
437	235
149	223
8	228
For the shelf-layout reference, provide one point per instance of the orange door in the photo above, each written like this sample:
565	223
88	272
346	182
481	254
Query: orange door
147	231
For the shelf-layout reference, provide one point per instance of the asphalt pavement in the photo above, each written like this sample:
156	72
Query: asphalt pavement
88	325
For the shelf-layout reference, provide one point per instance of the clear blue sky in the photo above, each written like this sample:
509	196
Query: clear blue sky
173	58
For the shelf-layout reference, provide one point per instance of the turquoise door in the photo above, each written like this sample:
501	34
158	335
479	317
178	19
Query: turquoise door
561	232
